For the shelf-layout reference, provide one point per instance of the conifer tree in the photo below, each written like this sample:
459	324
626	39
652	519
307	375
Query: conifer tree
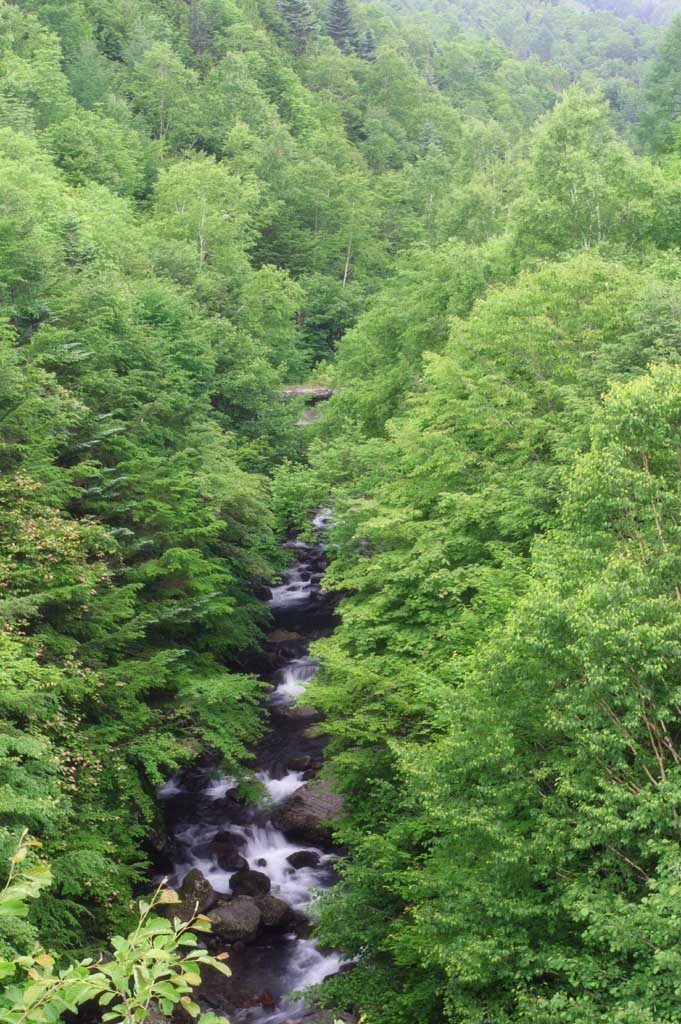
367	46
429	137
340	26
300	19
198	29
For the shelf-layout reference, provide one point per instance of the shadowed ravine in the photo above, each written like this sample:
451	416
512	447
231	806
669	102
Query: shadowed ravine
211	832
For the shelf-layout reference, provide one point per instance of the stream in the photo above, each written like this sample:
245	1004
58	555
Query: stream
210	830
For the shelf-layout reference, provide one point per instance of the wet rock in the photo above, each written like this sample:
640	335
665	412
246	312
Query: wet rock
196	894
306	813
227	807
286	652
313	733
229	837
303	859
285	636
202	850
163	849
312	393
219	992
302	926
275	913
227	855
267	1000
262	591
232	861
299	713
250	883
299	764
236	920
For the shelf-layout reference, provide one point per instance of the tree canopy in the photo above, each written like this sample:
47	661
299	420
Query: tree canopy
464	219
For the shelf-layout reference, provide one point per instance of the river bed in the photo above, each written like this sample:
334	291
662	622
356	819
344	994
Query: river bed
203	815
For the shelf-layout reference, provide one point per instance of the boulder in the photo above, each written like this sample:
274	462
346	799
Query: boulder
250	883
302	925
262	591
306	813
196	894
227	807
218	992
236	920
284	636
226	853
229	858
313	732
235	838
299	764
275	913
303	859
300	713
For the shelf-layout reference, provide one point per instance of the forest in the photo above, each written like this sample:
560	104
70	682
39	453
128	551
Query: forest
463	219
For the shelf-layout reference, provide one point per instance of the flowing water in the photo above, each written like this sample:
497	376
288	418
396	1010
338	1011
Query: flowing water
201	808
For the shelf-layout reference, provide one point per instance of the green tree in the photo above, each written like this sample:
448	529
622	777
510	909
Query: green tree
434	534
300	21
663	93
163	92
554	789
340	25
368	46
584	187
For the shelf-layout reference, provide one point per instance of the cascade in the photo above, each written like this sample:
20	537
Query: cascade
217	834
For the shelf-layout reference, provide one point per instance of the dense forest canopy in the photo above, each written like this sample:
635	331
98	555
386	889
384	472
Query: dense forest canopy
465	218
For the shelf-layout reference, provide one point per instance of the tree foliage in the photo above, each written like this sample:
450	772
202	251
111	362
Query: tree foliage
438	209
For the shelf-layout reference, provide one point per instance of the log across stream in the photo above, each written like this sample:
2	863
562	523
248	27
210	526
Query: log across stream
260	865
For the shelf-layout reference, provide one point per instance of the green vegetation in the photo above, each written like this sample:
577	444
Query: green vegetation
466	217
503	454
149	969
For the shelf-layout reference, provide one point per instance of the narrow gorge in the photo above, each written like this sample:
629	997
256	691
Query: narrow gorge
255	868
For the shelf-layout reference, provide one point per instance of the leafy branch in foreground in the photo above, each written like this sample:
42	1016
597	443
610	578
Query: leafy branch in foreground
156	965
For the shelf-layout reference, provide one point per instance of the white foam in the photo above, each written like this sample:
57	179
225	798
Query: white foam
293	679
169	788
218	878
266	843
220	787
290	592
307	966
279	789
323	519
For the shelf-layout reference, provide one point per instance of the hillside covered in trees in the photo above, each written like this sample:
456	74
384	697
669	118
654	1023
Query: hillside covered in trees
465	219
